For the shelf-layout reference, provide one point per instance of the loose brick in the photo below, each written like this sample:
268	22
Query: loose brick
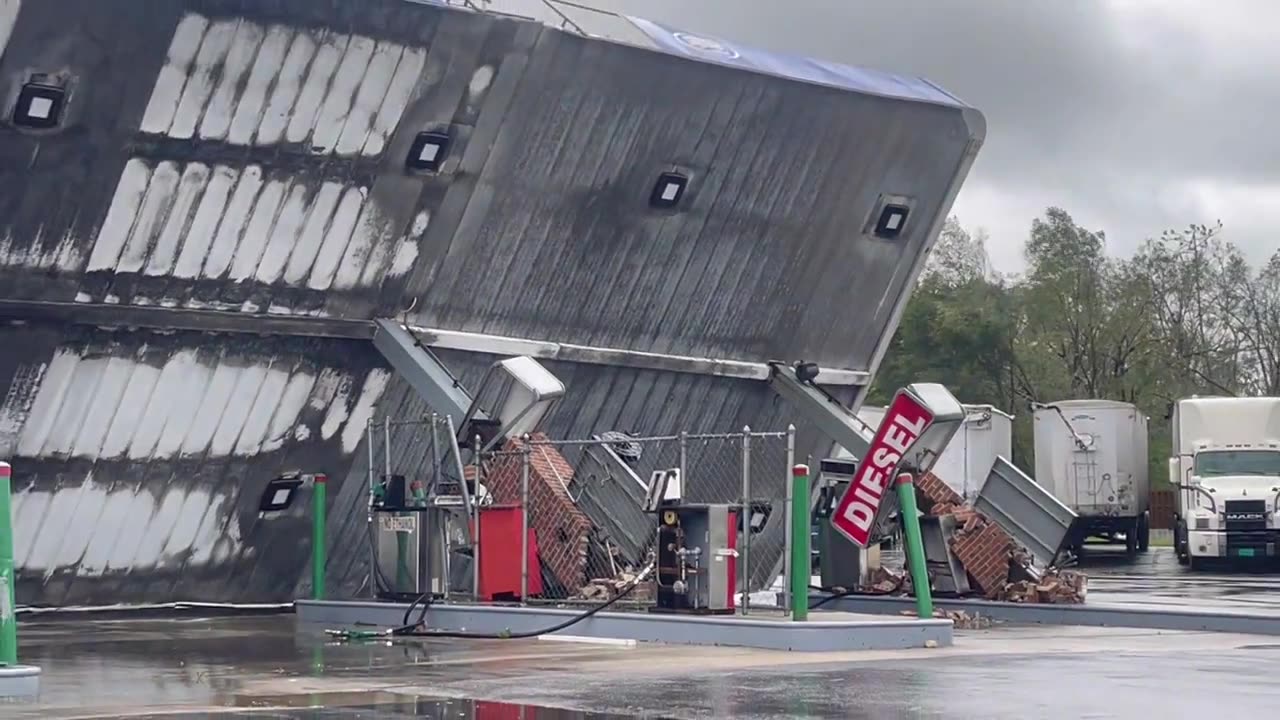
931	491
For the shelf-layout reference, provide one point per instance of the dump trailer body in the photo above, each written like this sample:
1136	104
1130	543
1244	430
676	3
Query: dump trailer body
1092	454
198	227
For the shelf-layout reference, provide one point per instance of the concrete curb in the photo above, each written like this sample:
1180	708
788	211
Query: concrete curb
19	681
816	635
1092	615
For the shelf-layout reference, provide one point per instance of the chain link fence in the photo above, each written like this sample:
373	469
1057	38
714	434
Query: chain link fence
577	504
585	500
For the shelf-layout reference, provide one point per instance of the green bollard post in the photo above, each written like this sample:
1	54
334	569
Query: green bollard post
318	533
800	561
915	547
8	609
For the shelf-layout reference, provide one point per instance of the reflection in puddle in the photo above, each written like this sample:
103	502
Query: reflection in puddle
389	706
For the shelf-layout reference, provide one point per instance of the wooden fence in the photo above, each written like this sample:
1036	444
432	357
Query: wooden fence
1163	503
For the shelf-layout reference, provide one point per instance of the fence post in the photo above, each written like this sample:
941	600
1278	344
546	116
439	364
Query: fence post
915	547
386	448
788	567
745	518
8	607
524	519
444	519
475	539
371	532
684	460
800	542
318	535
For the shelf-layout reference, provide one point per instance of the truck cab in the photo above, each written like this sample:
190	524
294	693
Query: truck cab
1226	468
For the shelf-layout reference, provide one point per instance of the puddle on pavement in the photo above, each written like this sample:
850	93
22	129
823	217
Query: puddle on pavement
387	706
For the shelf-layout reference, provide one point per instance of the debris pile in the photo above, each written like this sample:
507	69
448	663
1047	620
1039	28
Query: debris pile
1065	587
884	581
601	589
997	567
961	619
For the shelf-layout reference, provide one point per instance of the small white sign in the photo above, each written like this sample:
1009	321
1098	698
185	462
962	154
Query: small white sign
398	523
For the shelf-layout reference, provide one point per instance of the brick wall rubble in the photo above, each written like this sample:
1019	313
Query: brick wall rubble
933	491
995	562
984	551
563	531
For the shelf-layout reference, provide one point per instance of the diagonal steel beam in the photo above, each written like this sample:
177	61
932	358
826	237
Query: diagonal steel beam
424	372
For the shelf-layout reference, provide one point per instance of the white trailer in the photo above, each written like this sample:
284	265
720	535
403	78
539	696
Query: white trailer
1226	465
1092	455
986	434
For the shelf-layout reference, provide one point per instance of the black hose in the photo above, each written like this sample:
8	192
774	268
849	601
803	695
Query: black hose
411	632
411	629
425	598
837	593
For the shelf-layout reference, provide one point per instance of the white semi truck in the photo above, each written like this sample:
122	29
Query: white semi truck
1226	466
1092	455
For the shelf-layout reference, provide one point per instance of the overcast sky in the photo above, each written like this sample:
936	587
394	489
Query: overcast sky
1133	115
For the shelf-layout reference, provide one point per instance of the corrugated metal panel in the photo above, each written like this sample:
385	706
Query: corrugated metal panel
554	239
614	503
138	458
536	227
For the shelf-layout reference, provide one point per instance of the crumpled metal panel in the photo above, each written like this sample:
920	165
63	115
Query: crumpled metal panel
1025	510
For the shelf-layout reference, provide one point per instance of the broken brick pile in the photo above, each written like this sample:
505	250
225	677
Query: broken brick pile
961	619
1066	587
606	588
563	531
989	554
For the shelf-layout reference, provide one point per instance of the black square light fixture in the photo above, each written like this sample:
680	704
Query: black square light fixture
280	492
39	106
893	218
668	191
428	152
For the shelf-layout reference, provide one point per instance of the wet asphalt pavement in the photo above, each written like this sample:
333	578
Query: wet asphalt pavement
266	667
1156	578
260	667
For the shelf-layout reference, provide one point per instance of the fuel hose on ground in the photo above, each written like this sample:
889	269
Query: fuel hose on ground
414	629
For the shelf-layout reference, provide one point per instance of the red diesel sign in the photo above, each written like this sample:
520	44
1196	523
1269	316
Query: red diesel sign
903	424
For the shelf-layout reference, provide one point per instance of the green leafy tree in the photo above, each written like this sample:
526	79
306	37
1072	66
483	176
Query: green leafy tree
1186	315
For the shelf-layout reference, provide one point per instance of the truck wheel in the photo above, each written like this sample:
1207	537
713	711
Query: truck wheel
1180	543
1144	532
1131	538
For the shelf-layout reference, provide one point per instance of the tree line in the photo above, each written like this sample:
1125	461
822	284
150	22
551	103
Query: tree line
1187	314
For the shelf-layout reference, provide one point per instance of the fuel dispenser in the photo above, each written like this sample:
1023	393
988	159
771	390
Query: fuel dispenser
411	548
425	527
697	547
841	562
